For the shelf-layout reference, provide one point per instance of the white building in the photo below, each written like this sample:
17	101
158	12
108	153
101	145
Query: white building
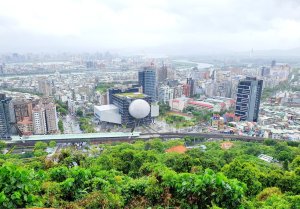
266	158
154	110
179	104
44	118
108	113
165	93
39	120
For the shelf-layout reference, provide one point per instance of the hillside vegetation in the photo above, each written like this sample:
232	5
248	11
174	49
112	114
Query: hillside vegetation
143	175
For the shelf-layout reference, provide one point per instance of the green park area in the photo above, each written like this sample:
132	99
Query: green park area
190	116
178	120
102	87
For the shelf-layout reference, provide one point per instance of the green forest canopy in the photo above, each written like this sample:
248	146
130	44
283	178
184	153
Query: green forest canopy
143	175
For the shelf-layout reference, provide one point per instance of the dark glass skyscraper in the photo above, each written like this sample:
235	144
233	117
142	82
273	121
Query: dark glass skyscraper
147	79
5	130
248	99
191	82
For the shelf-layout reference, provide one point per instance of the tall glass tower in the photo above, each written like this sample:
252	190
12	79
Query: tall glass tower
5	131
147	79
248	99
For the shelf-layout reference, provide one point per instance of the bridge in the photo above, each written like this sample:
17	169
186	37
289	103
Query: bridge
121	137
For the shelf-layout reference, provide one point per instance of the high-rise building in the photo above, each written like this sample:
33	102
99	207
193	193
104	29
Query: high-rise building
264	71
5	129
45	87
191	83
248	99
178	91
147	79
165	93
162	73
186	90
51	118
273	63
39	119
44	118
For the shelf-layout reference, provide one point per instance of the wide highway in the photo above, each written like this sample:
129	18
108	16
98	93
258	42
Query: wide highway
127	137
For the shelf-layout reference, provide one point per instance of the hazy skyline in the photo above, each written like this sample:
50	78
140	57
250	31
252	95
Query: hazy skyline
173	26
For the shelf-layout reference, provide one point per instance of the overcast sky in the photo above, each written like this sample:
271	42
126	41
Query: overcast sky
177	26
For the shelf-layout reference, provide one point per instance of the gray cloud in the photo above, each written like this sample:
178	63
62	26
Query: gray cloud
190	25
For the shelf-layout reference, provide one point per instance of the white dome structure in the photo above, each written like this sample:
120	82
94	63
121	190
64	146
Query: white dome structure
139	108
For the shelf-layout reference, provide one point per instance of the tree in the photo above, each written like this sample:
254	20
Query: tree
62	111
39	153
245	172
52	144
40	146
74	186
296	162
18	187
142	175
163	108
61	126
179	162
285	165
155	144
2	145
284	156
79	113
268	192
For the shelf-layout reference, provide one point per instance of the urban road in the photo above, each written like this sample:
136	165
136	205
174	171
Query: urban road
147	136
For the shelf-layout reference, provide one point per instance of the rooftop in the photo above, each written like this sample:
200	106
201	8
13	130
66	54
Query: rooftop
135	95
226	145
25	121
201	104
265	158
106	107
178	149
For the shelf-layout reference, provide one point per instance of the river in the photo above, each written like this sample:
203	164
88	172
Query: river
199	64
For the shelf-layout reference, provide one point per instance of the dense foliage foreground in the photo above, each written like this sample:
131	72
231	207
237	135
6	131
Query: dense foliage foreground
143	175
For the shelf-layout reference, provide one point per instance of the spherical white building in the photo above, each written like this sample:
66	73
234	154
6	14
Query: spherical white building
139	108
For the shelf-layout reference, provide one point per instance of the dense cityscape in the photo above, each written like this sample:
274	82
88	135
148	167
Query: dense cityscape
49	108
258	101
150	104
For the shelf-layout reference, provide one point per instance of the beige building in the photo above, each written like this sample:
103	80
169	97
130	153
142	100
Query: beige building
51	118
45	87
44	118
39	119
